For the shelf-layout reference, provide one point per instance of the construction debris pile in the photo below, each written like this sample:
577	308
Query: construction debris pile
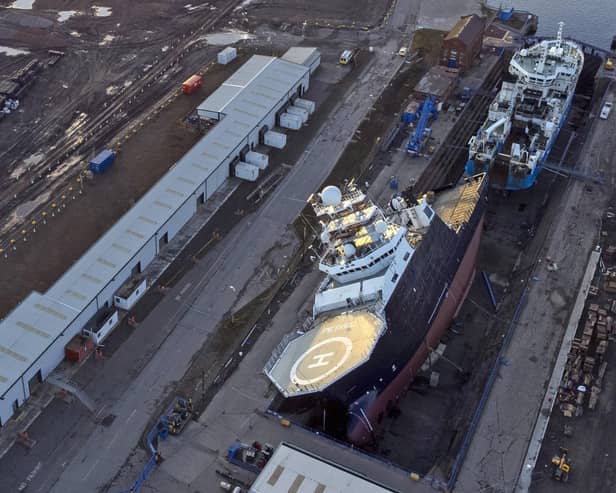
586	365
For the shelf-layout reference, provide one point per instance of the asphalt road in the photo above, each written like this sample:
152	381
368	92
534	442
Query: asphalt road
160	350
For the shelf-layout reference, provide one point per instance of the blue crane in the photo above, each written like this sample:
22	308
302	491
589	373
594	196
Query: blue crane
422	133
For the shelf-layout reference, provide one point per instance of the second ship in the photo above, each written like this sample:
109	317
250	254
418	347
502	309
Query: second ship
394	282
524	119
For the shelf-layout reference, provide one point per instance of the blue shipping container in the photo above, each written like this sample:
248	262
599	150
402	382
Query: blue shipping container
101	162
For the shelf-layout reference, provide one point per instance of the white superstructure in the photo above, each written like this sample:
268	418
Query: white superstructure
365	252
527	114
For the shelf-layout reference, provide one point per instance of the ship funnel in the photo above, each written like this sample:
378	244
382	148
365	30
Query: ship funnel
331	195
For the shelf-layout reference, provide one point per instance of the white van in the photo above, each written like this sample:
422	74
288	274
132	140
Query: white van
605	111
346	56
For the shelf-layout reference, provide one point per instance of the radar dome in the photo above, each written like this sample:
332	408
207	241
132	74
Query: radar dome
325	237
331	195
349	249
380	226
395	204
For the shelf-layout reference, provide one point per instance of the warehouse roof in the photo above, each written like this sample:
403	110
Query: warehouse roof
302	55
27	332
254	89
291	469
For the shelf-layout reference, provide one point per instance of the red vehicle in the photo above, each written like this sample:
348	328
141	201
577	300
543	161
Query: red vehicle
191	84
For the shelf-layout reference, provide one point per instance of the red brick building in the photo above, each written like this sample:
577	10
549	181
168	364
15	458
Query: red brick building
462	44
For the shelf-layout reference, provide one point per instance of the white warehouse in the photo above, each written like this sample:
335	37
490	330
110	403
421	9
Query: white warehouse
248	105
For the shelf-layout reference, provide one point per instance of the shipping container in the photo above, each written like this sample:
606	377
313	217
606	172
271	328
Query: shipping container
256	158
191	84
99	329
101	162
78	348
292	122
227	55
246	171
275	139
297	111
308	105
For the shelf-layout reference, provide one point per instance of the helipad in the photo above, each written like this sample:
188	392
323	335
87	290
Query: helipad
335	346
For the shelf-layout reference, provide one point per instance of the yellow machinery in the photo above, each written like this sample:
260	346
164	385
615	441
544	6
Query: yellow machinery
561	465
609	64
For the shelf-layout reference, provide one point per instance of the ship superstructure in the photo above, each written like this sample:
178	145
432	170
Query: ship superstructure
525	117
394	280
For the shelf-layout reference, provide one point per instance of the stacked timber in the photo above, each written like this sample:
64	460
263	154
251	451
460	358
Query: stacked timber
586	366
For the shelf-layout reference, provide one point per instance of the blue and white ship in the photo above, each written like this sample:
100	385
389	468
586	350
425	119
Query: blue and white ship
528	112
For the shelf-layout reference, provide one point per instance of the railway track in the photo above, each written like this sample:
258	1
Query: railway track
447	164
126	106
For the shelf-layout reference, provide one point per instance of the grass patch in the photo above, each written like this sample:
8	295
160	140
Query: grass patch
428	43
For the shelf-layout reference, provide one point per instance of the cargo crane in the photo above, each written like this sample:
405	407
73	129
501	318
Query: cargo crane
422	133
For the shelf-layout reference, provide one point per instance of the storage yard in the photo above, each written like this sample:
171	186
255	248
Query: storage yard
161	193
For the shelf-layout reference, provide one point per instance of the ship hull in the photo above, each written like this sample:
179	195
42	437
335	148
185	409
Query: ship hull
366	413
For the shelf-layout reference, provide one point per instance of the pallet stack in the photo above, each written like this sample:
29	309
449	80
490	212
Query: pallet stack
586	366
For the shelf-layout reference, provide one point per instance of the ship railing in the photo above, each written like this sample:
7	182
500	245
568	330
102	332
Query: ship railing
282	345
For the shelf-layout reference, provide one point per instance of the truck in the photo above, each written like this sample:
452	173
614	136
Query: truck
102	161
347	56
250	457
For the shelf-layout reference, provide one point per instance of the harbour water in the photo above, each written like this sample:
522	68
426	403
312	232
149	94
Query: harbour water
592	21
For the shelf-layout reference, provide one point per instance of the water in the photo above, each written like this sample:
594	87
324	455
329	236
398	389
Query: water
592	21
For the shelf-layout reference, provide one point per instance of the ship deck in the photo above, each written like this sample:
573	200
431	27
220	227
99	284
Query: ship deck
335	346
455	206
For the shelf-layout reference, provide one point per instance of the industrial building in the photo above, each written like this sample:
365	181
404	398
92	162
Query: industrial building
248	105
462	45
291	469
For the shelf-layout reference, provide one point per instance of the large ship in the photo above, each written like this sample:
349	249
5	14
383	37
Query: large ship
395	279
525	117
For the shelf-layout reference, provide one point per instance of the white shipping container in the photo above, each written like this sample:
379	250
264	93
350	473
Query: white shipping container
308	105
227	55
99	334
275	139
246	171
297	111
259	160
292	122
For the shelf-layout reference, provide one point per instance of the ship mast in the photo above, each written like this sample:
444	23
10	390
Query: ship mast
559	34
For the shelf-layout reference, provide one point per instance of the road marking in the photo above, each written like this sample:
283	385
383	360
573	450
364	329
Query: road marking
91	469
186	288
112	440
131	415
